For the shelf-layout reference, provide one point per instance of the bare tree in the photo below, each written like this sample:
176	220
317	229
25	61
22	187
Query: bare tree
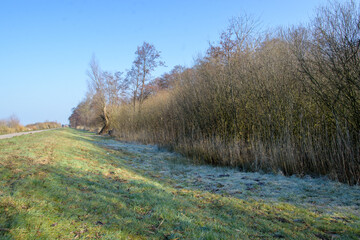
97	90
106	90
82	114
240	36
147	59
328	53
133	82
115	88
13	121
169	80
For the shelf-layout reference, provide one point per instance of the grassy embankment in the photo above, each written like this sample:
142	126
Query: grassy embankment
61	185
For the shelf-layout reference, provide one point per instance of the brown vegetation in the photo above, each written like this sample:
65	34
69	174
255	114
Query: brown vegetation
288	101
42	125
12	125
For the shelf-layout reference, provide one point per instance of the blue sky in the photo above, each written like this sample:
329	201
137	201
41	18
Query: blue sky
45	46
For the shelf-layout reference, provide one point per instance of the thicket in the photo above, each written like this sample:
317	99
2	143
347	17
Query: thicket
13	125
42	125
287	101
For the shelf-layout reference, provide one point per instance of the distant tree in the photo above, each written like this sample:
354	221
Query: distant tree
239	37
115	88
82	114
106	90
147	59
13	121
133	82
168	80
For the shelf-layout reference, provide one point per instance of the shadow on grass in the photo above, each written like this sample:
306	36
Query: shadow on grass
82	204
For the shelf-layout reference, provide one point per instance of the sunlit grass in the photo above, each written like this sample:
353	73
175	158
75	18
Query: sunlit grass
60	185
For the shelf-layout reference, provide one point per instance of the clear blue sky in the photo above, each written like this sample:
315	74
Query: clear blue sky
45	46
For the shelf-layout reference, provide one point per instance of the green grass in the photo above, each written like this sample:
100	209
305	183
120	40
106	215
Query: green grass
61	185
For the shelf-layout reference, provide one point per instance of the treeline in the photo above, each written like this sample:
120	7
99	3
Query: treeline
13	125
287	101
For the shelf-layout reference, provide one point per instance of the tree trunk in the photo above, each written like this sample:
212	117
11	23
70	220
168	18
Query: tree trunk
143	84
105	128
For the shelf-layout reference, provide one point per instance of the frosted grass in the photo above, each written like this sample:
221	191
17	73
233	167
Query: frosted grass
316	194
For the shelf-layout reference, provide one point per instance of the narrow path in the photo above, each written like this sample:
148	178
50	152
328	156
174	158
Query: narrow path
316	194
23	133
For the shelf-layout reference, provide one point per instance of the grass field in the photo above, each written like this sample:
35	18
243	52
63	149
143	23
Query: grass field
61	184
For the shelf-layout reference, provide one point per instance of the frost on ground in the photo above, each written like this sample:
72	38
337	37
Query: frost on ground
316	194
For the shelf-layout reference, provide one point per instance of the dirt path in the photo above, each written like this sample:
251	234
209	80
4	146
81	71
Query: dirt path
316	194
22	133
